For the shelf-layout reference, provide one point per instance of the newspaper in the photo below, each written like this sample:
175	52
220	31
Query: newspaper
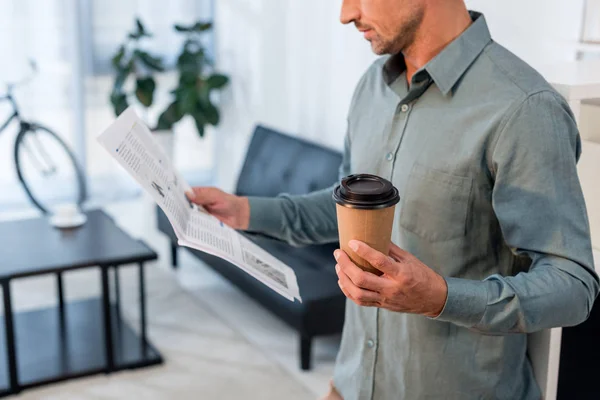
130	142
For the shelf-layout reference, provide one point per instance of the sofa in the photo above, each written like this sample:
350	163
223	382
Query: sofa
276	163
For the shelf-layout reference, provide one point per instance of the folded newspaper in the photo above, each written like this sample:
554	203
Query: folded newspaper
130	142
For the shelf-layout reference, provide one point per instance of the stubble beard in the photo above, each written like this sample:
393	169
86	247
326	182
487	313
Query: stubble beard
403	39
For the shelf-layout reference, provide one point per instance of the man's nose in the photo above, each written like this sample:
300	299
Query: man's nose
350	11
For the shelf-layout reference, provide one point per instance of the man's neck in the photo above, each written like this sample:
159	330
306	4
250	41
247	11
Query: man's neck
441	25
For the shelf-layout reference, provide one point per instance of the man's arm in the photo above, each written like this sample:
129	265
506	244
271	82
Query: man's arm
299	220
539	203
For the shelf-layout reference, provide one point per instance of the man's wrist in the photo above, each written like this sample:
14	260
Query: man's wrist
244	207
466	302
439	297
264	215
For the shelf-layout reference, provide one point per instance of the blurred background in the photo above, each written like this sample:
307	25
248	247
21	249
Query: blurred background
203	74
291	66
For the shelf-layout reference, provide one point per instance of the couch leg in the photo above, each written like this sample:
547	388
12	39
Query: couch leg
174	254
305	350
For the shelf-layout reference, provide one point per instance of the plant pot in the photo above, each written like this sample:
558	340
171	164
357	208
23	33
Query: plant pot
166	140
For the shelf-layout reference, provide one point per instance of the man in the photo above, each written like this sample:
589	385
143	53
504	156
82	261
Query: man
492	238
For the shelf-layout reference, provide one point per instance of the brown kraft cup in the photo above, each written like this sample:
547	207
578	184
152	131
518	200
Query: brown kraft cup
365	212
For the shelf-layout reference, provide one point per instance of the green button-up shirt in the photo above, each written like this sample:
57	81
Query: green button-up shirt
483	152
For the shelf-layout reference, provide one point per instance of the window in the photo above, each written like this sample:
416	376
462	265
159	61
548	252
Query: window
72	42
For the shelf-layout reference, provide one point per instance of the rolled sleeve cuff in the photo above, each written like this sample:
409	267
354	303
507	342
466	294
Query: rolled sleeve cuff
466	302
265	215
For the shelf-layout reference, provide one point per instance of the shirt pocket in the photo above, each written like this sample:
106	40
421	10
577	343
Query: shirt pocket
436	204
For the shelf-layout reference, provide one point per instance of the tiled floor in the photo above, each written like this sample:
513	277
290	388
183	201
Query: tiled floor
217	343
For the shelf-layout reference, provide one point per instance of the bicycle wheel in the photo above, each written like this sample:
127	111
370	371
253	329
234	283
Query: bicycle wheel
47	168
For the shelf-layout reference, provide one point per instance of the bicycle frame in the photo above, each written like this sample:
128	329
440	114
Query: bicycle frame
15	113
8	121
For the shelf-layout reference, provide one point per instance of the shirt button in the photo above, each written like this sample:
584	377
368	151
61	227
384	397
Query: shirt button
370	343
404	108
389	156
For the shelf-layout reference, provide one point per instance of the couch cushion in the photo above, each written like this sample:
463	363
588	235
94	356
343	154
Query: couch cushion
589	175
277	163
323	303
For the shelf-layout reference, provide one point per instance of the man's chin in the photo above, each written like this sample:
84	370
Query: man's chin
377	48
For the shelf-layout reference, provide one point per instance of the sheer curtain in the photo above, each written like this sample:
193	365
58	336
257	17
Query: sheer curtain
293	67
37	30
107	24
73	42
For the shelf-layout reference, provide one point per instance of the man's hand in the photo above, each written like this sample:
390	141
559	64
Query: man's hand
229	209
407	285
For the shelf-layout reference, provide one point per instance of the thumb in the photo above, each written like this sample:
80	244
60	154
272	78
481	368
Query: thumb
204	196
377	259
190	194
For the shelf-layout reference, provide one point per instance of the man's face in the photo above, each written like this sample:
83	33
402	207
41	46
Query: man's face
390	25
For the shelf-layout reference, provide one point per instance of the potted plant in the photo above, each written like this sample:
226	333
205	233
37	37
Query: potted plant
197	81
132	61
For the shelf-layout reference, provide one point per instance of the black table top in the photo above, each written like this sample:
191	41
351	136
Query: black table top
34	247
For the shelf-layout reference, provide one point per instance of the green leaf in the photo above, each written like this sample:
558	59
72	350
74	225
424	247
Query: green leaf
145	90
201	26
190	63
182	28
217	81
200	122
203	92
197	27
118	57
188	99
140	31
119	102
150	61
120	79
211	113
169	117
140	26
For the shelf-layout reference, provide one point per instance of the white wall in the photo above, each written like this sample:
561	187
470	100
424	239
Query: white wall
539	31
294	66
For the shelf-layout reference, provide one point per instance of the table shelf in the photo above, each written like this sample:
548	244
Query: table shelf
51	350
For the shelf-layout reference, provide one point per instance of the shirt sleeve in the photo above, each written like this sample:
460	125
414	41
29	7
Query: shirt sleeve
539	204
299	220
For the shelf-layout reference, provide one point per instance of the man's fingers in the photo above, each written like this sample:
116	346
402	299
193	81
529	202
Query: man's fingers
190	195
360	296
204	195
359	277
398	253
377	259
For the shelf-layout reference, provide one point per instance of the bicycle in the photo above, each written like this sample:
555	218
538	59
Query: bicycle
48	154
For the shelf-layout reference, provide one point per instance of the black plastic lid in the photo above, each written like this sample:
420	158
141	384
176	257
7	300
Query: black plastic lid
365	191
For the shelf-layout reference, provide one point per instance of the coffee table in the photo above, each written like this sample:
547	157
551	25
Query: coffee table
77	338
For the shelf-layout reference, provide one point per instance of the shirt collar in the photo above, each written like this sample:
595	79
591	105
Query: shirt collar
453	61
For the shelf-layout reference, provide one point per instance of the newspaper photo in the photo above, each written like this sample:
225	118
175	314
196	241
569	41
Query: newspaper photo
130	142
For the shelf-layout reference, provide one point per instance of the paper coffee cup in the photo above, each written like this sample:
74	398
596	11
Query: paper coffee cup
365	212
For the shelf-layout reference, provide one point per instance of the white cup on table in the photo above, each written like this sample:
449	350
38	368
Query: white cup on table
67	215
